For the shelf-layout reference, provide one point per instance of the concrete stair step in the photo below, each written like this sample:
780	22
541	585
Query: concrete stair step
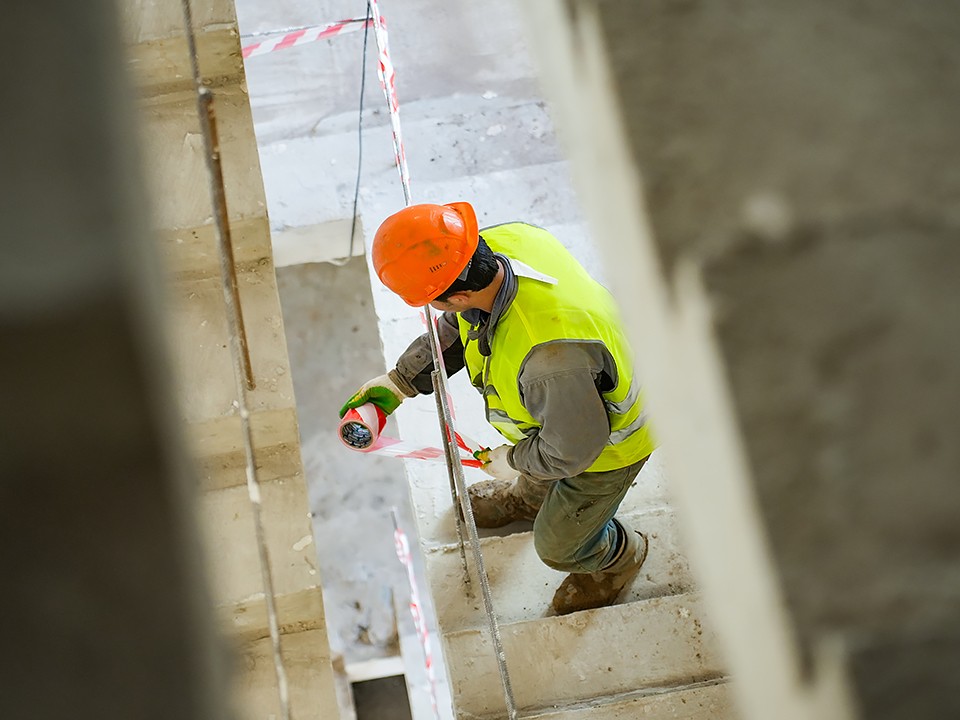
558	660
704	701
522	586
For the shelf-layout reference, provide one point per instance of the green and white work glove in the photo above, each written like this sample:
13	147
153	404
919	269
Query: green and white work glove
381	391
496	463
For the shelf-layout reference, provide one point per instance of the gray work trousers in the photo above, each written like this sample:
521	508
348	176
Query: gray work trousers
574	531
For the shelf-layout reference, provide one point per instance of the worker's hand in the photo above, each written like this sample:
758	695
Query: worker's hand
495	462
381	391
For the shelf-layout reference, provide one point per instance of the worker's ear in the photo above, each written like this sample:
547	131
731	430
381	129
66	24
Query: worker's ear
461	300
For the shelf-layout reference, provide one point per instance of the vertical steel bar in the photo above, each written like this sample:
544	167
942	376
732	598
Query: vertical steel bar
447	429
237	351
388	78
231	288
454	494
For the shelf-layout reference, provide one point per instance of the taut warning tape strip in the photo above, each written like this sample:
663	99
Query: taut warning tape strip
403	552
388	81
392	447
360	430
458	485
302	36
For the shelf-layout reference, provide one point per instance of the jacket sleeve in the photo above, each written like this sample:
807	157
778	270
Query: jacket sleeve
560	386
412	373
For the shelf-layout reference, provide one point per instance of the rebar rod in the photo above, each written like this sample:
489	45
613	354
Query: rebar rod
447	430
452	459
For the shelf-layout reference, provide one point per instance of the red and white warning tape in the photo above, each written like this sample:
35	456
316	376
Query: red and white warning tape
388	81
383	445
360	430
403	552
392	447
302	36
385	70
458	485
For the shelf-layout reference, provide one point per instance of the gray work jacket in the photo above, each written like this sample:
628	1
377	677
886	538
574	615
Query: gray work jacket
560	385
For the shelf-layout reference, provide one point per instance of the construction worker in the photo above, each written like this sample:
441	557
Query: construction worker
543	343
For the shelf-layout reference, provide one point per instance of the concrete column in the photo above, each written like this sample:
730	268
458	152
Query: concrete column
104	605
775	185
178	179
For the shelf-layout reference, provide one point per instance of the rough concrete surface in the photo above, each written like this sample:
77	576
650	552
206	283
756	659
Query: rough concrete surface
328	316
804	154
708	701
670	643
827	108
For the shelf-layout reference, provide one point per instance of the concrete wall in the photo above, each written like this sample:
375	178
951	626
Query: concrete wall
775	186
178	179
105	608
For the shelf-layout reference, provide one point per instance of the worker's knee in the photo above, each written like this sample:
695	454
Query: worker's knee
562	548
555	555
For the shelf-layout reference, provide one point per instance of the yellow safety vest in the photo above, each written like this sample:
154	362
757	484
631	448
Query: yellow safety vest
576	307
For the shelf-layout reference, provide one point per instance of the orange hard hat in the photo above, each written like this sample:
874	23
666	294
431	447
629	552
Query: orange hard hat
419	251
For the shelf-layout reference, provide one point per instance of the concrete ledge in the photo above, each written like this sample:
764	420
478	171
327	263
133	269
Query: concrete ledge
321	242
523	586
202	348
144	20
193	253
217	448
172	147
246	620
709	701
227	522
161	66
309	674
649	644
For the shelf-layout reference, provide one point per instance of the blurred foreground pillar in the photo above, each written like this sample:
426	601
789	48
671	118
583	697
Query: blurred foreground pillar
775	187
103	603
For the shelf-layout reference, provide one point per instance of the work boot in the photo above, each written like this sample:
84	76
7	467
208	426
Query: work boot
497	503
585	591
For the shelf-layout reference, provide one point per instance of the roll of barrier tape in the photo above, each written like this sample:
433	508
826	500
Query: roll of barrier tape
361	427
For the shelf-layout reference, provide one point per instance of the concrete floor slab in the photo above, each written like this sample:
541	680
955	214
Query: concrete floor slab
445	140
256	679
440	50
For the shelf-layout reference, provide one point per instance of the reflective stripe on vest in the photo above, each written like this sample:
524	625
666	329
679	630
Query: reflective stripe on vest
575	308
